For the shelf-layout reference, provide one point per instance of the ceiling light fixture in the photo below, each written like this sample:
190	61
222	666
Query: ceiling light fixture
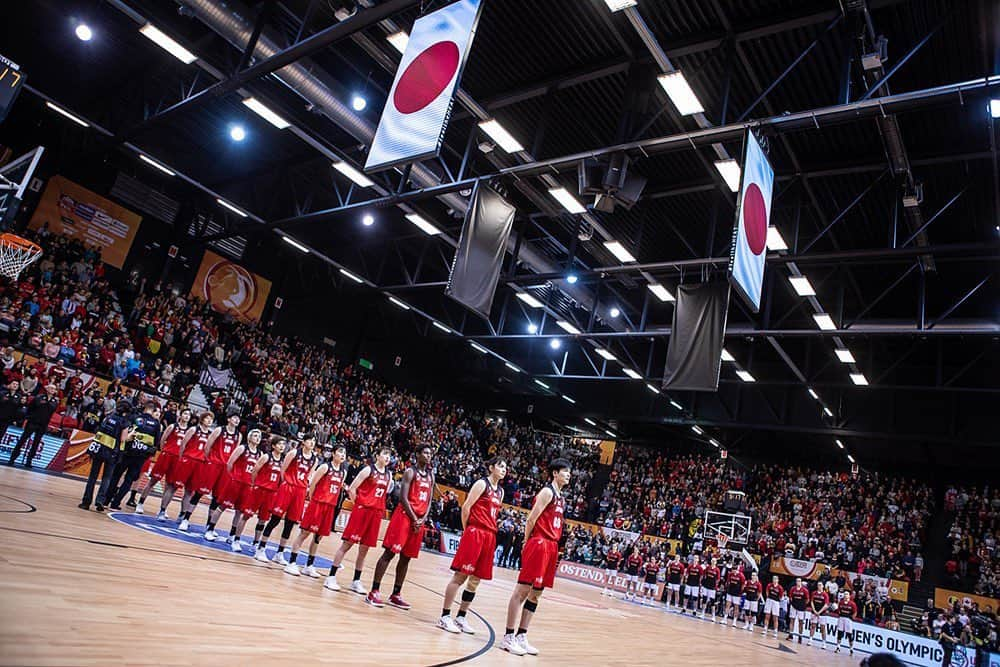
859	379
660	292
160	38
827	411
604	354
352	276
541	384
813	393
590	421
239	212
745	376
555	343
440	326
775	241
567	327
512	367
844	355
150	161
568	399
697	429
730	172
850	458
802	286
532	327
478	348
618	5
611	433
529	300
399	303
614	313
839	444
631	373
677	405
358	103
571	279
568	201
60	110
726	356
652	388
353	174
84	33
680	93
237	132
295	244
266	113
619	251
368	220
824	322
421	223
495	131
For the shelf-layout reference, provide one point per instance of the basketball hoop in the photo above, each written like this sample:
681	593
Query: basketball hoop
722	540
16	254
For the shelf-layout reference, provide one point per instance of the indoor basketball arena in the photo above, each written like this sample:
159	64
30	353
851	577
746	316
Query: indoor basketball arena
500	332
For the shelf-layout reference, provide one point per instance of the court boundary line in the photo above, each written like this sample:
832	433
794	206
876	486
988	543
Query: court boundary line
31	508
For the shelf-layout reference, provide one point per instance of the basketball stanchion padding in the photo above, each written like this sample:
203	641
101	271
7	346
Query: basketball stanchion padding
16	253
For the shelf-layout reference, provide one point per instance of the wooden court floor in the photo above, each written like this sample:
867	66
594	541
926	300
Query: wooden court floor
78	588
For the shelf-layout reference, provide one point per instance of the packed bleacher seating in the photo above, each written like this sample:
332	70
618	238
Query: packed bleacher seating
972	563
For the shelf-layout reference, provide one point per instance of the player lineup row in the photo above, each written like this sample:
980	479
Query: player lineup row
296	486
726	593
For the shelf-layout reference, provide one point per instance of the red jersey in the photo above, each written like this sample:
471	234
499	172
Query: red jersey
297	473
483	513
613	558
550	522
675	570
633	562
819	600
223	447
798	597
847	609
195	448
269	475
373	491
244	465
172	443
329	486
651	568
735	582
775	591
751	589
693	575
420	492
710	577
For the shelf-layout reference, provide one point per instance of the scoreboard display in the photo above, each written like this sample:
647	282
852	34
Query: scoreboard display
11	82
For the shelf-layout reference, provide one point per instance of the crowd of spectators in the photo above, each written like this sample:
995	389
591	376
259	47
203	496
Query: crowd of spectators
972	563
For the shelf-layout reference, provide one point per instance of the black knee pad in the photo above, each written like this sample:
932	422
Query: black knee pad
468	596
530	606
286	530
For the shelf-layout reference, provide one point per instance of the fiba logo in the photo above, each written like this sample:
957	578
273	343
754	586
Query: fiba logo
230	287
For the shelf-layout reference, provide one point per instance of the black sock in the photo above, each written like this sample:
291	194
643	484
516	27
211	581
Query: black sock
280	548
461	613
232	532
509	631
185	516
445	612
132	496
214	505
333	570
310	560
210	525
396	588
357	575
376	584
522	631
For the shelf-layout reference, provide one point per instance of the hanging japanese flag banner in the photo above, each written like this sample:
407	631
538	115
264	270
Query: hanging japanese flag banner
419	104
753	215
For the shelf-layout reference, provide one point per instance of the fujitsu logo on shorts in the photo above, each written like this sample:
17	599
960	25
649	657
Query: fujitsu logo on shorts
468	568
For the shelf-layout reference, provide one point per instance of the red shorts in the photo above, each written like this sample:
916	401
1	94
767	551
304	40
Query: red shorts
229	497
145	466
219	490
475	553
363	525
400	536
163	467
318	518
538	563
183	472
289	502
208	477
261	503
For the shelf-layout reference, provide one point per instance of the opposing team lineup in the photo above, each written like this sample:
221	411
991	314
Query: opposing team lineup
288	482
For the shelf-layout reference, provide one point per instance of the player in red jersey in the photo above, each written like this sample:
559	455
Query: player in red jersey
405	534
193	453
539	558
325	488
798	614
369	491
222	444
473	561
709	584
633	563
772	604
820	606
692	585
847	610
675	575
290	501
650	570
239	493
265	480
612	561
734	583
165	464
751	601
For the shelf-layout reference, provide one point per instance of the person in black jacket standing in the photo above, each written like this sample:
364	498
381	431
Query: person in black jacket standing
40	411
10	406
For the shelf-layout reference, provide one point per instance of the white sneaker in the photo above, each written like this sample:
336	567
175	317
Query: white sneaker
235	547
261	556
463	624
512	645
702	616
528	648
183	525
138	509
292	569
331	583
281	559
358	587
162	516
311	571
823	646
447	624
210	535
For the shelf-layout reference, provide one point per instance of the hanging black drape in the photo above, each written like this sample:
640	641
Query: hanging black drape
694	355
480	252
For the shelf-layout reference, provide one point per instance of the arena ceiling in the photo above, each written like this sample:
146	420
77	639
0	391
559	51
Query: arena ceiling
913	290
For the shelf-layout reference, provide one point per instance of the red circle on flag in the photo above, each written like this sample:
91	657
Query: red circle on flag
755	219
426	77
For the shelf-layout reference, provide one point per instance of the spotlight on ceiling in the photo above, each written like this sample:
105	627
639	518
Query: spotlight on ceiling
358	103
555	343
571	279
368	220
237	132
84	33
532	328
614	313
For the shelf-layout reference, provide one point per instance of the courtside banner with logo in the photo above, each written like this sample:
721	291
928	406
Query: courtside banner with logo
595	576
419	105
945	599
911	649
230	288
810	569
753	215
73	210
46	455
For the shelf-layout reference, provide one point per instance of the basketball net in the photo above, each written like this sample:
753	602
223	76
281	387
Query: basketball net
722	540
16	254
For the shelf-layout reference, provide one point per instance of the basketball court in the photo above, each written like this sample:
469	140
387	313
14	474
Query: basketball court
81	588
